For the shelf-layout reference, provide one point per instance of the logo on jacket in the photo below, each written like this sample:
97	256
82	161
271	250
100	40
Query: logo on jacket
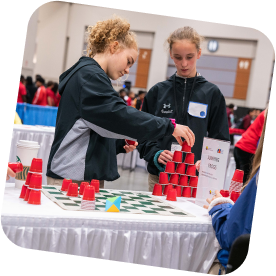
166	106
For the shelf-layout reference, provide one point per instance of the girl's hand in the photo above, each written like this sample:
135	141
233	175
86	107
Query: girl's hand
10	173
164	157
214	197
130	148
186	133
197	164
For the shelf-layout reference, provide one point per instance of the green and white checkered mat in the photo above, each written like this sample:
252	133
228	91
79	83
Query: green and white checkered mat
132	202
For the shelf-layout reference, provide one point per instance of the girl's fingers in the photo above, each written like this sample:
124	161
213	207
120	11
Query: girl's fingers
209	200
179	140
206	206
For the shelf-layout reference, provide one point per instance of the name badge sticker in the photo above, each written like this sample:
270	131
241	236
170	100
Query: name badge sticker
198	109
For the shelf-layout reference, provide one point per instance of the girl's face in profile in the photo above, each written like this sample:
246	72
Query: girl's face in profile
185	55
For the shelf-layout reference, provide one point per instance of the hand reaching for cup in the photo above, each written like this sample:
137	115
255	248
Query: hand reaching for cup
197	164
217	195
164	157
129	148
186	133
10	173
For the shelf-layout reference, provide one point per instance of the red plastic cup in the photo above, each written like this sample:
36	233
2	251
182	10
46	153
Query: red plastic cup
170	167
130	142
178	190
157	190
167	188
190	159
185	147
238	176
27	194
194	192
73	190
96	184
65	184
193	181
180	169
35	197
82	186
171	195
36	165
36	181
191	170
29	176
174	179
163	178
23	191
183	181
186	192
16	167
235	195
224	193
89	193
177	156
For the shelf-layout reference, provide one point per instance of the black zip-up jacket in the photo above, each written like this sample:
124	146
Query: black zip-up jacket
210	121
91	122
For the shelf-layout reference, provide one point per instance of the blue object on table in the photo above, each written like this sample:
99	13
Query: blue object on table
37	115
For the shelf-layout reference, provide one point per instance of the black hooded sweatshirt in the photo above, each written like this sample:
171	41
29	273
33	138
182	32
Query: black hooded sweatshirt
91	122
203	111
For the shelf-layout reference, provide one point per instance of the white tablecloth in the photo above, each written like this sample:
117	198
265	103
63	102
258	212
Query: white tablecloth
163	241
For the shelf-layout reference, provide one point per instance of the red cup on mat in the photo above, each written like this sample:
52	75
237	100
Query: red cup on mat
82	186
238	176
157	190
36	181
73	190
186	192
16	167
193	181
29	176
194	192
183	181
235	195
180	169
170	167
174	179
26	198
178	190
167	188
185	147
163	178
130	142
177	156
171	195
36	165
35	197
191	170
96	184
23	191
190	159
224	193
65	184
89	193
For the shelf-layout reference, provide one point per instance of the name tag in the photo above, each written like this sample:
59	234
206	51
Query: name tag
175	147
197	109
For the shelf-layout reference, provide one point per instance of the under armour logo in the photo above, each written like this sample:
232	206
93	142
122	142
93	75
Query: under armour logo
166	105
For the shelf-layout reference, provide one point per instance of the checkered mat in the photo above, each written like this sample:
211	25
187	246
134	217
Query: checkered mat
134	203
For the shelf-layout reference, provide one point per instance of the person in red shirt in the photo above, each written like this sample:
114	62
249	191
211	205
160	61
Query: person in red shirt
131	97
51	97
57	95
21	98
245	148
247	120
40	97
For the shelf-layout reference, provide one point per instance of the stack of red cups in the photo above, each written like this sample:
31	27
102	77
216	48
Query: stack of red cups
236	185
88	199
35	187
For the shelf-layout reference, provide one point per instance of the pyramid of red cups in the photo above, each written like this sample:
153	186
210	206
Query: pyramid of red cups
179	178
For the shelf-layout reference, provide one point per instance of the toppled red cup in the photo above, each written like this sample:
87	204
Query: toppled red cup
194	192
167	188
16	167
185	147
171	195
177	156
96	184
235	195
23	191
180	169
35	197
174	179
224	193
157	190
65	184
82	186
36	181
178	190
89	193
163	178
238	176
36	165
186	192
190	159
193	181
183	181
73	190
191	170
130	142
170	167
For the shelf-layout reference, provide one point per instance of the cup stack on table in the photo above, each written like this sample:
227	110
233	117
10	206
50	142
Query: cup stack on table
179	178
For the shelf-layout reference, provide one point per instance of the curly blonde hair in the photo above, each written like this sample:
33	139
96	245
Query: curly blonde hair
101	35
185	33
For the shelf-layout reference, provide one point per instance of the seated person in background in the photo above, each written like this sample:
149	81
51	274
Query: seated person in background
57	95
40	97
31	89
130	99
21	98
248	119
230	114
123	94
51	98
140	99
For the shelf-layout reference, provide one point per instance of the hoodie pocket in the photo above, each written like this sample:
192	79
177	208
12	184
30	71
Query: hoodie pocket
198	110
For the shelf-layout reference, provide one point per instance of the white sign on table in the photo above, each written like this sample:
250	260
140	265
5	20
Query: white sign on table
212	171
